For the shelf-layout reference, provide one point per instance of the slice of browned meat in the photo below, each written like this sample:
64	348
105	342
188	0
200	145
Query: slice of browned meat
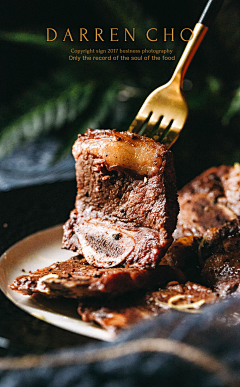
123	312
75	278
209	201
200	213
222	272
183	255
209	182
116	314
219	252
126	205
231	185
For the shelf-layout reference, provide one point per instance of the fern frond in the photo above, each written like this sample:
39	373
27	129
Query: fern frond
94	117
30	38
50	115
233	108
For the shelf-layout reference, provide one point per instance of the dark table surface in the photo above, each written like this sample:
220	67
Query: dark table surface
24	211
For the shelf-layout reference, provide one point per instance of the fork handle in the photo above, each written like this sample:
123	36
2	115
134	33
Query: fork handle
210	12
200	29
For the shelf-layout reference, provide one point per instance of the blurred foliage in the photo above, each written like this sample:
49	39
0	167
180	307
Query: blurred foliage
43	92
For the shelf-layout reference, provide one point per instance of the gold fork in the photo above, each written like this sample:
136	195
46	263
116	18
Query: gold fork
164	112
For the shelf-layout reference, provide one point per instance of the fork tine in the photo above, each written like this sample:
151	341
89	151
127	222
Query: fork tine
152	127
170	136
136	126
139	122
157	125
162	131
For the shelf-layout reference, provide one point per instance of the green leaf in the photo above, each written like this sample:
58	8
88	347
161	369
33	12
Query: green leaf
233	109
37	40
52	114
93	117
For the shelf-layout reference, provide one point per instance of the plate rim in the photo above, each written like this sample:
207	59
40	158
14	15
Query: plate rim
53	318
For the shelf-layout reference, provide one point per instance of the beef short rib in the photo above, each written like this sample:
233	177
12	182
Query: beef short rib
219	252
75	278
123	312
209	201
126	206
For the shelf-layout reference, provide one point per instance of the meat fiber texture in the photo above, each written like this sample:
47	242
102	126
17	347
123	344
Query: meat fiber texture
126	206
209	201
75	278
219	256
122	313
211	260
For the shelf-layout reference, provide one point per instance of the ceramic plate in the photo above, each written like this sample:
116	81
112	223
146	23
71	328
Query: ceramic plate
35	252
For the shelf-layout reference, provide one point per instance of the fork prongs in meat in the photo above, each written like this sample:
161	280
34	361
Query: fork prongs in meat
163	114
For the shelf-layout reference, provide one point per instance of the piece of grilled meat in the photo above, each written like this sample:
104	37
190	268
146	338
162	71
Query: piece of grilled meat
126	206
220	258
76	278
123	312
209	201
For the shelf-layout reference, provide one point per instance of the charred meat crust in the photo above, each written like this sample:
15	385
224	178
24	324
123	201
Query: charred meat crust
122	313
75	278
221	239
231	185
183	254
209	201
209	182
212	260
219	254
200	213
122	200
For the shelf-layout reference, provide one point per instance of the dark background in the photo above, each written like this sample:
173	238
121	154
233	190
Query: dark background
46	99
